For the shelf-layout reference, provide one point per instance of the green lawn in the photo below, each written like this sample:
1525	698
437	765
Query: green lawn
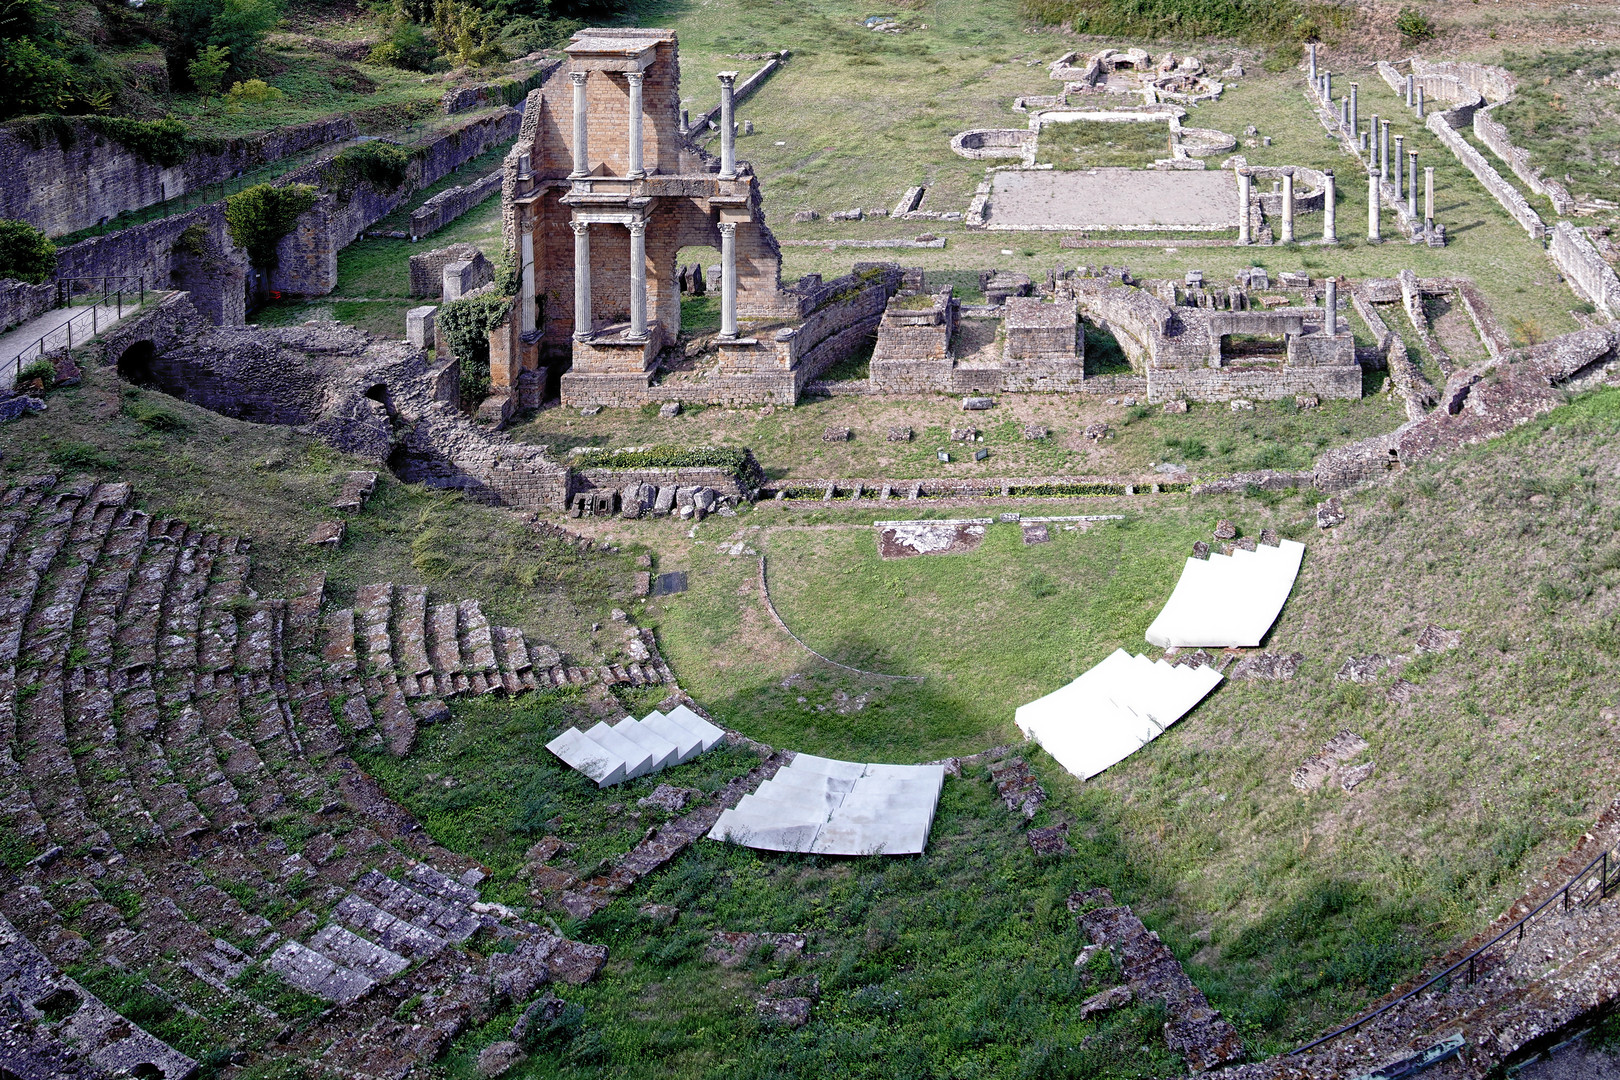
1084	144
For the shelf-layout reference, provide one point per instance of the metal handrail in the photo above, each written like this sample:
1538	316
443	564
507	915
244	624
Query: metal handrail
1601	863
113	298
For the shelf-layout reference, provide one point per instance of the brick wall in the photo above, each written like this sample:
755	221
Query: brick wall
62	189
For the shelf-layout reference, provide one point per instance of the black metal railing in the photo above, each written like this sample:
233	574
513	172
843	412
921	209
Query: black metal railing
1592	883
109	298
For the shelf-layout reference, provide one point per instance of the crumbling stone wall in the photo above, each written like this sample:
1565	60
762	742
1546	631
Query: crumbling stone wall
64	188
1592	278
20	301
1503	192
450	204
427	269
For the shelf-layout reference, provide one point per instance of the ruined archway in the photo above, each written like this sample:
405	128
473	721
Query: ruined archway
135	363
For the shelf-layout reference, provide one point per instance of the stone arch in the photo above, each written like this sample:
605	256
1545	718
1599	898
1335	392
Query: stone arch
137	361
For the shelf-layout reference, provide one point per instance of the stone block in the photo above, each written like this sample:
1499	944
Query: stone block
1035	431
1329	514
669	410
1176	406
837	434
462	277
419	326
21	405
899	434
1225	530
978	404
328	535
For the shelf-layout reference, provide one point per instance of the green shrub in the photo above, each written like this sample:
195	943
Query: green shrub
26	254
208	68
406	47
163	142
1413	25
258	217
383	165
43	370
254	92
465	326
32	78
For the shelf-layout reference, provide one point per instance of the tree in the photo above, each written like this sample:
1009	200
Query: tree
208	70
466	34
236	25
258	217
26	254
1413	25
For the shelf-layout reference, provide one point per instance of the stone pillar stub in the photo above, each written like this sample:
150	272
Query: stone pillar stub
1330	306
582	156
1330	212
638	280
635	79
582	280
419	326
1243	206
728	127
1288	206
1372	206
728	280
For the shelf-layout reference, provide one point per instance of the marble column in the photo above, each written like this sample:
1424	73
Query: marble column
1355	119
1400	156
526	312
635	79
728	128
638	281
1344	111
1420	101
1330	225
1288	206
1327	88
728	280
1409	91
582	155
582	280
1428	196
1411	183
1372	206
1330	306
1311	52
1243	206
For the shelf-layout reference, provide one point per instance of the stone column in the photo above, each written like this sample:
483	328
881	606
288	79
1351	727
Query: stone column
638	281
1372	142
1372	206
636	171
526	313
1288	206
1311	52
582	280
1428	196
1327	88
1355	118
1344	111
1411	183
1400	156
1383	149
728	280
728	128
1409	91
582	157
1243	206
1330	305
1420	101
1330	228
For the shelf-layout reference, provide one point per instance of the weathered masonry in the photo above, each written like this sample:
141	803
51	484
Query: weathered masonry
601	192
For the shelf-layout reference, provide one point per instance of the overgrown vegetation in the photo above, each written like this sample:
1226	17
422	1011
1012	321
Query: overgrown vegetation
258	217
383	165
26	254
1566	112
1268	21
465	326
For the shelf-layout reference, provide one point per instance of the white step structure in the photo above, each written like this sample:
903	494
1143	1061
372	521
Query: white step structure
1229	600
1113	710
612	753
822	806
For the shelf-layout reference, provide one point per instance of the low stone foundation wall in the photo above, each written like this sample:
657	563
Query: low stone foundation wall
1266	384
20	301
448	205
720	480
1503	192
1592	278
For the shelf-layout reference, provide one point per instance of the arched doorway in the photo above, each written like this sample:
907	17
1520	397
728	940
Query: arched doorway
136	363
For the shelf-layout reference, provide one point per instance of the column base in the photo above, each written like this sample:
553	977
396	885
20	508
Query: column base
723	176
636	174
583	335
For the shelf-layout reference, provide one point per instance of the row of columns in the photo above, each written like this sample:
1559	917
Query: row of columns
1330	233
582	156
583	317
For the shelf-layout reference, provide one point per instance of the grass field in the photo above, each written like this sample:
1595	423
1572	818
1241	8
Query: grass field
1209	439
1082	144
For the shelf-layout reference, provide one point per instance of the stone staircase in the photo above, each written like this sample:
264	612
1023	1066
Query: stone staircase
179	803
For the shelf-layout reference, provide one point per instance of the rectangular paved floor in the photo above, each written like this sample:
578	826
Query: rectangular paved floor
1113	199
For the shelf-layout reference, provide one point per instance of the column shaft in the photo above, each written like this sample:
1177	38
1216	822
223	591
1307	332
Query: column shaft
582	280
1330	233
636	171
1312	52
582	157
1428	195
1400	156
1409	91
1355	119
1383	149
1288	207
728	279
1411	183
1330	306
1243	206
1420	101
526	313
1372	205
728	128
638	279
